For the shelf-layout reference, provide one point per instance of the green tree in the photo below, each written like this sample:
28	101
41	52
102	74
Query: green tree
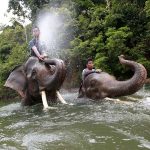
13	51
101	29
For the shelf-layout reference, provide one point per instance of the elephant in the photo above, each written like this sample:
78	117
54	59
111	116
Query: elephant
98	86
36	81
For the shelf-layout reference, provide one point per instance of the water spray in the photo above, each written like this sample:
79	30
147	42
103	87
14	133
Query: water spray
51	25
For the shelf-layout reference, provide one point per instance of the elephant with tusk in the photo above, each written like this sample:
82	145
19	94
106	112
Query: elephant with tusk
38	81
101	85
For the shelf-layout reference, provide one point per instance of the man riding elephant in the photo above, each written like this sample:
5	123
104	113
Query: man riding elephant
100	85
88	70
38	77
37	47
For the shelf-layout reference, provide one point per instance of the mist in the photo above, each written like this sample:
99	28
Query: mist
52	31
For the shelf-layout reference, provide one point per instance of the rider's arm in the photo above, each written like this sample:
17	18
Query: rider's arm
34	50
98	70
37	53
86	72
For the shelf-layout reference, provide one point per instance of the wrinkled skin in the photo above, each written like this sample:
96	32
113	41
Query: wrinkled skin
101	85
35	76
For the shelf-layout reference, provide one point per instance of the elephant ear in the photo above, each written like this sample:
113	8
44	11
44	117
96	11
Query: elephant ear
17	80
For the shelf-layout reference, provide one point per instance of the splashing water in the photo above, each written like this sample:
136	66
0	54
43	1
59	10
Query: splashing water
86	125
52	30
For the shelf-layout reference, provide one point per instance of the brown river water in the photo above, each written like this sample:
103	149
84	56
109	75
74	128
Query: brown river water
122	124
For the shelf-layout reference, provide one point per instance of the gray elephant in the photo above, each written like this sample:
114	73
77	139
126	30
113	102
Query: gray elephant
101	85
35	80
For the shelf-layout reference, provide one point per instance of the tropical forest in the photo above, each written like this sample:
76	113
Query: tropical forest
97	29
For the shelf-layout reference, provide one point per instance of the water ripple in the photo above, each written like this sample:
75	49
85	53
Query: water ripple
110	124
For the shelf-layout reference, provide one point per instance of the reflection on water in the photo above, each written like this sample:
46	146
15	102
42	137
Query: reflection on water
108	125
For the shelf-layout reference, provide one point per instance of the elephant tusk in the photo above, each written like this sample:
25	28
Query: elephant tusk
61	98
44	100
118	101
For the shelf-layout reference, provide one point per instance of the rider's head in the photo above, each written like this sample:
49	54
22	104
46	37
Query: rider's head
90	64
36	31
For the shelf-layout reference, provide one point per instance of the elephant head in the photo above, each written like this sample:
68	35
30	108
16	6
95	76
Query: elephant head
101	85
35	76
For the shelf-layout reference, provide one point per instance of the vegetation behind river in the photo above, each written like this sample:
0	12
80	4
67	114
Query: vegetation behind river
101	29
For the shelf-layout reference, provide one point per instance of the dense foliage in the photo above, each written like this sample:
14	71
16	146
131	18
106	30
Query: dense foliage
13	51
101	29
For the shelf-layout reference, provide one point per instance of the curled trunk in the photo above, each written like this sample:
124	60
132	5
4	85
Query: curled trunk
121	88
101	85
56	80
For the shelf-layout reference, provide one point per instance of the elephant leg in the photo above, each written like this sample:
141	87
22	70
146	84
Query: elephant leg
44	100
81	92
61	98
26	99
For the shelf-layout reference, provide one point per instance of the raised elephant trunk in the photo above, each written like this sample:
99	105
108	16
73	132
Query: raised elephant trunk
101	85
121	88
55	81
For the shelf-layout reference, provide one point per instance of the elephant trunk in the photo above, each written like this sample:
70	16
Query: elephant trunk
122	88
56	80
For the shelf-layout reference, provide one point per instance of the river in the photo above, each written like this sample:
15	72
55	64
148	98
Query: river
87	125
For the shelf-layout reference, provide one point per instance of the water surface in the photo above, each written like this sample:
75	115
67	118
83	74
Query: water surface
87	125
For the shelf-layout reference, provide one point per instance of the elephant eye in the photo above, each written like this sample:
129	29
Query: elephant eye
33	72
33	76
